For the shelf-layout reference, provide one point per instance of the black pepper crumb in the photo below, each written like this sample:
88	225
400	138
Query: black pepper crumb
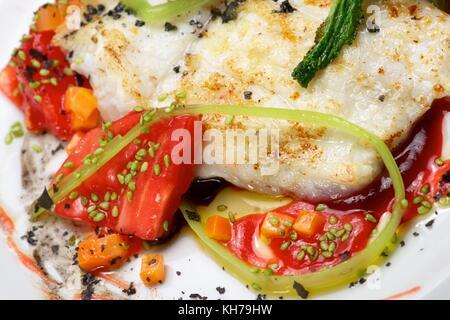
285	7
55	249
388	264
416	234
197	296
89	281
131	290
170	27
248	95
362	281
429	224
301	291
178	273
139	23
382	98
261	297
176	69
220	290
402	243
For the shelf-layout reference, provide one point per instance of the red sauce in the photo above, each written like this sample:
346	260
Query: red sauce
416	160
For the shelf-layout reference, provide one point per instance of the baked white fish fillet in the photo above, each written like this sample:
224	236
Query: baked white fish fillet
385	81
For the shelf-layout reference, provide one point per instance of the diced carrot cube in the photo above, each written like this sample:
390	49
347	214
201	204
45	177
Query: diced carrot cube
276	225
105	253
218	228
309	223
82	103
49	18
153	270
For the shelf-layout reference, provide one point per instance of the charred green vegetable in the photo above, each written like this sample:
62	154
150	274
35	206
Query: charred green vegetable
339	30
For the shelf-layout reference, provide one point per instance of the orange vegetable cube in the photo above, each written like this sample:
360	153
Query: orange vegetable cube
218	228
309	223
49	18
82	103
153	270
276	225
106	253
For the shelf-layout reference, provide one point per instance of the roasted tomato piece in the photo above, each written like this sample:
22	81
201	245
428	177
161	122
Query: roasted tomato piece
9	84
44	76
138	191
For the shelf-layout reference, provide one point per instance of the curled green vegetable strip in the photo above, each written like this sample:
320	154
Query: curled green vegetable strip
164	11
339	30
317	281
329	278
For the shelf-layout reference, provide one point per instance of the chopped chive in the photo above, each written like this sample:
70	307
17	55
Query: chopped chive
73	195
44	72
345	236
68	165
84	201
439	162
99	217
36	148
132	186
285	245
423	210
417	199
34	85
332	247
167	161
287	223
425	188
293	235
113	196
35	63
330	236
427	204
104	205
300	255
231	217
77	175
144	167
274	221
157	169
22	56
370	218
404	203
115	212
163	97
59	178
99	151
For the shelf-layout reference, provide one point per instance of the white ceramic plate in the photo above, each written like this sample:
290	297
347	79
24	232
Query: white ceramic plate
421	267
